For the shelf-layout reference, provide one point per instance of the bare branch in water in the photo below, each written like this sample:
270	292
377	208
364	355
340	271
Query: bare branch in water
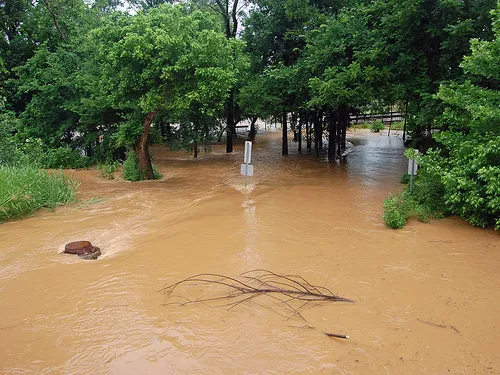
283	290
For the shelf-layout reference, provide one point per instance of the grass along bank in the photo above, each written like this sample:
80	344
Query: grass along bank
24	190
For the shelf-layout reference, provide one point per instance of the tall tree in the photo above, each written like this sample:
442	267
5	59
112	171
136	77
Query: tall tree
163	58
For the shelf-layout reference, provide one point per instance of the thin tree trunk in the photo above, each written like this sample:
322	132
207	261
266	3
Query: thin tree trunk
142	147
308	131
301	121
294	126
320	130
316	133
344	132
406	116
253	130
332	128
284	149
230	126
54	18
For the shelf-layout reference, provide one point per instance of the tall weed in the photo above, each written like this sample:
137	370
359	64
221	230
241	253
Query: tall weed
23	190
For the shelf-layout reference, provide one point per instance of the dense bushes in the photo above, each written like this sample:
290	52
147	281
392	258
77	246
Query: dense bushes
24	190
64	157
470	175
462	178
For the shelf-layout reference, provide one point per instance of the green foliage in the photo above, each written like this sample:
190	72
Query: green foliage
398	125
131	171
461	179
469	171
377	126
156	173
400	207
64	157
23	190
108	170
397	210
10	154
474	104
405	179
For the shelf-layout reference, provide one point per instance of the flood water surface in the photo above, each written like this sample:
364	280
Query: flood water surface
427	297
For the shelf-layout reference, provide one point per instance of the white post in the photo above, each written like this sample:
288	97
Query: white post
247	168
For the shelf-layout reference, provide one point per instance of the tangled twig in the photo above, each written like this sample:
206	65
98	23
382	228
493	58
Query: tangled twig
283	290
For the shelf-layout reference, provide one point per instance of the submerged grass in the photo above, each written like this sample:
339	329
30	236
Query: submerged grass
23	190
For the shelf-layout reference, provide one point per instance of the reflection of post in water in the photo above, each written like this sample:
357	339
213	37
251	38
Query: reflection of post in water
251	231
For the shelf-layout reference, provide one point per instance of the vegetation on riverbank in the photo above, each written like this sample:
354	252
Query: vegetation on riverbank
85	82
23	190
462	175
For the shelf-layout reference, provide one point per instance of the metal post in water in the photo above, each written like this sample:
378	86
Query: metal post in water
246	174
247	168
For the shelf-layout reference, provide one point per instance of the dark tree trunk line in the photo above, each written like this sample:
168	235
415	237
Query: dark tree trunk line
142	147
332	131
253	130
301	122
309	124
55	20
230	126
231	31
284	149
294	126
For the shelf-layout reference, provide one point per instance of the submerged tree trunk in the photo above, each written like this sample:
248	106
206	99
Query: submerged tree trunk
253	131
301	121
343	118
332	130
230	126
316	133
294	127
406	116
309	120
142	147
320	130
284	149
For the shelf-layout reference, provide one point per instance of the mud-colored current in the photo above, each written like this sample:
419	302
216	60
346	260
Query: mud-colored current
427	297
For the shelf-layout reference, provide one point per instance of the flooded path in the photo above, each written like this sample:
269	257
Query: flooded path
427	296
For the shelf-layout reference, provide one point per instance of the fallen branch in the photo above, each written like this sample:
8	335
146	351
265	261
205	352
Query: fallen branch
432	324
283	290
336	335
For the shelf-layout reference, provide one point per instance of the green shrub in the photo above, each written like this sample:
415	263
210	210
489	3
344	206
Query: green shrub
23	190
131	171
405	179
131	168
463	178
397	210
377	126
470	175
64	157
10	154
108	170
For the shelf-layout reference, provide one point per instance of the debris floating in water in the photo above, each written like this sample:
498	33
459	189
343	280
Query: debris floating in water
337	335
283	290
84	249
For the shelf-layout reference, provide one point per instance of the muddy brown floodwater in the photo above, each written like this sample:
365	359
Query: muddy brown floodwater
427	297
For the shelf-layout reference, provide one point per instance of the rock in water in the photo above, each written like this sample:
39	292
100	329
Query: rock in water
84	249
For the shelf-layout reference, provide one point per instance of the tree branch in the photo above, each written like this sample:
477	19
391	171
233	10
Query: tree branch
54	17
